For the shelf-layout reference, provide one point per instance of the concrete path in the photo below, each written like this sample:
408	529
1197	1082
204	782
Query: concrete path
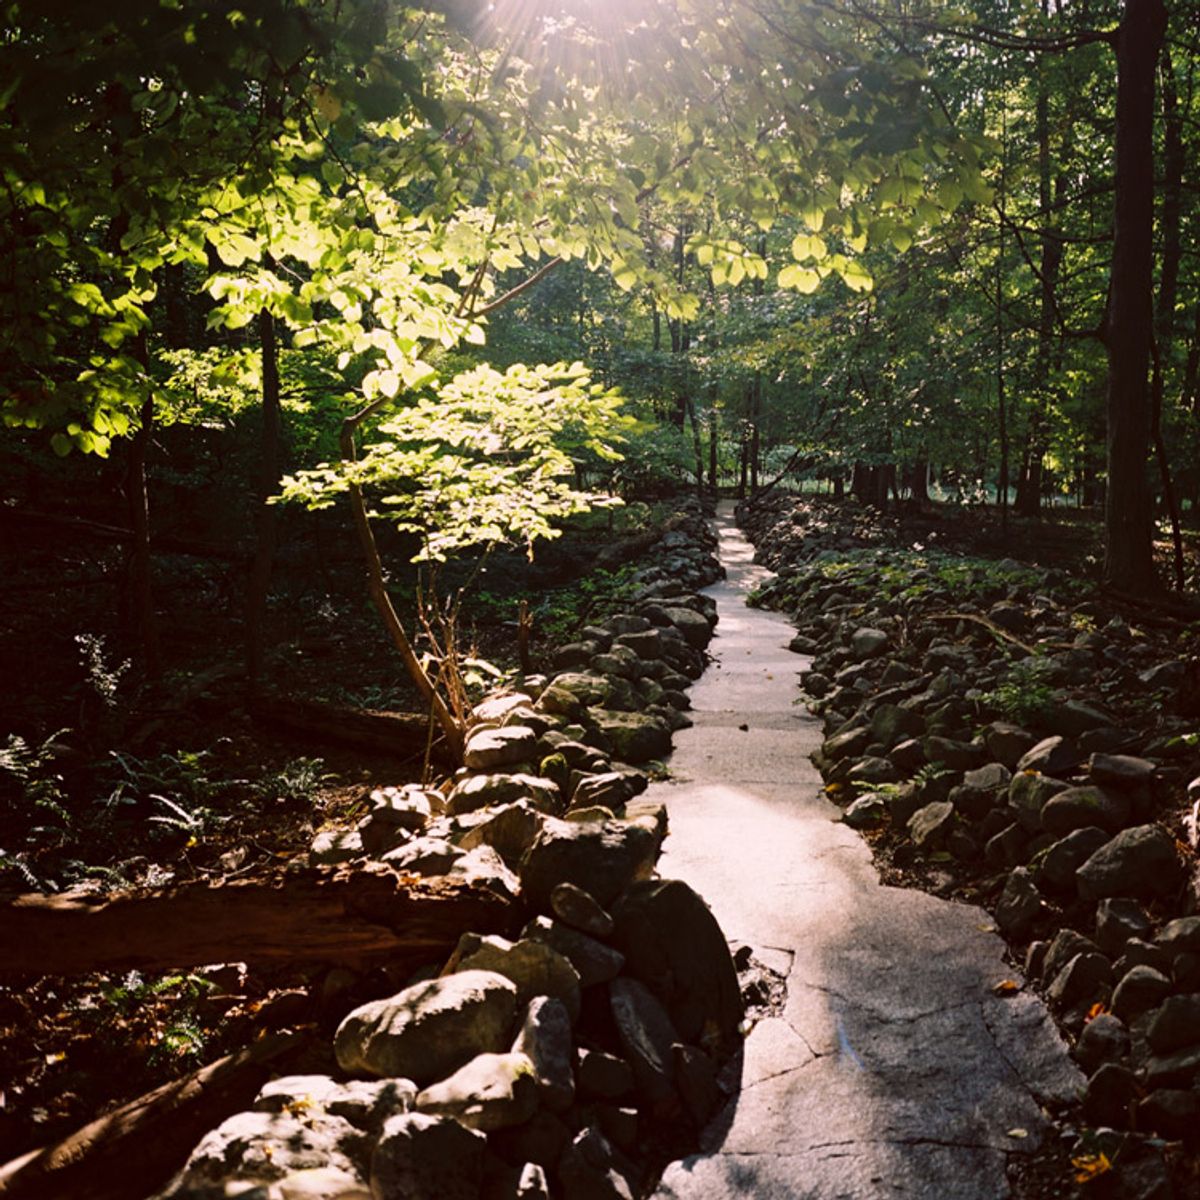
894	1070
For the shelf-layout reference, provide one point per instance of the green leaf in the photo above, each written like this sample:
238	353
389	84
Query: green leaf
806	245
802	279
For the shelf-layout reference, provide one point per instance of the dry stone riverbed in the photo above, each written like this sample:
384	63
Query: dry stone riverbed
893	1068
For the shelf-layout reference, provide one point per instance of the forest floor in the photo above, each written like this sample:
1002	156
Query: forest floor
108	782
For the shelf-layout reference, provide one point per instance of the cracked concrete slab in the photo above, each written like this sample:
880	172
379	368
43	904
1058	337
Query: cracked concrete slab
894	1070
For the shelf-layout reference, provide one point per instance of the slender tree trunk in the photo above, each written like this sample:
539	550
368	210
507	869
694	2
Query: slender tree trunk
139	605
1129	557
1001	399
755	432
1170	220
713	441
266	518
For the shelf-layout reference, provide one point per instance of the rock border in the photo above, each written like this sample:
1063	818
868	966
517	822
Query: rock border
574	1058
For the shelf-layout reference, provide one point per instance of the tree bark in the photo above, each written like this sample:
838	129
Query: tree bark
313	915
398	734
135	1149
1129	557
139	603
266	519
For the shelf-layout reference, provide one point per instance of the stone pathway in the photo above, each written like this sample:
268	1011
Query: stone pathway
894	1071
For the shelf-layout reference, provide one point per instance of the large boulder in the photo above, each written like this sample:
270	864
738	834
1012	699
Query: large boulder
647	1035
1140	862
1081	807
673	944
269	1145
536	968
545	1038
365	1103
487	791
430	1029
487	749
603	858
421	1155
492	1091
635	737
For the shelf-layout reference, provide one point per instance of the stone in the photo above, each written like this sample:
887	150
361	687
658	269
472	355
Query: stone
868	643
483	867
1006	847
619	1125
871	771
646	644
429	1029
585	689
1056	866
1051	756
1172	1113
534	967
1006	743
424	856
1028	794
611	790
395	815
593	1169
1175	1024
1120	770
334	846
1080	982
1140	862
487	749
953	754
847	743
1073	717
993	777
1179	1067
1081	807
1145	1177
891	724
696	1082
1140	989
1109	1094
646	1035
867	812
673	944
499	706
510	831
603	1076
269	1145
634	737
1117	920
1064	946
1136	953
491	790
602	858
908	756
366	1104
1020	904
592	959
492	1091
1105	1038
424	1156
580	909
696	630
545	1039
930	825
1180	936
314	1183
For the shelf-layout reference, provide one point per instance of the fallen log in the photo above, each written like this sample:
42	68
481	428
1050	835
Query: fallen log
629	548
348	916
133	1150
401	735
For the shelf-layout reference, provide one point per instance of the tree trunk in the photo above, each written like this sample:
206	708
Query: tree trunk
1129	557
266	519
319	915
139	603
400	735
134	1150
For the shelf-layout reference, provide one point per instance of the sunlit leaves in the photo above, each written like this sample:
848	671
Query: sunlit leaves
487	456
